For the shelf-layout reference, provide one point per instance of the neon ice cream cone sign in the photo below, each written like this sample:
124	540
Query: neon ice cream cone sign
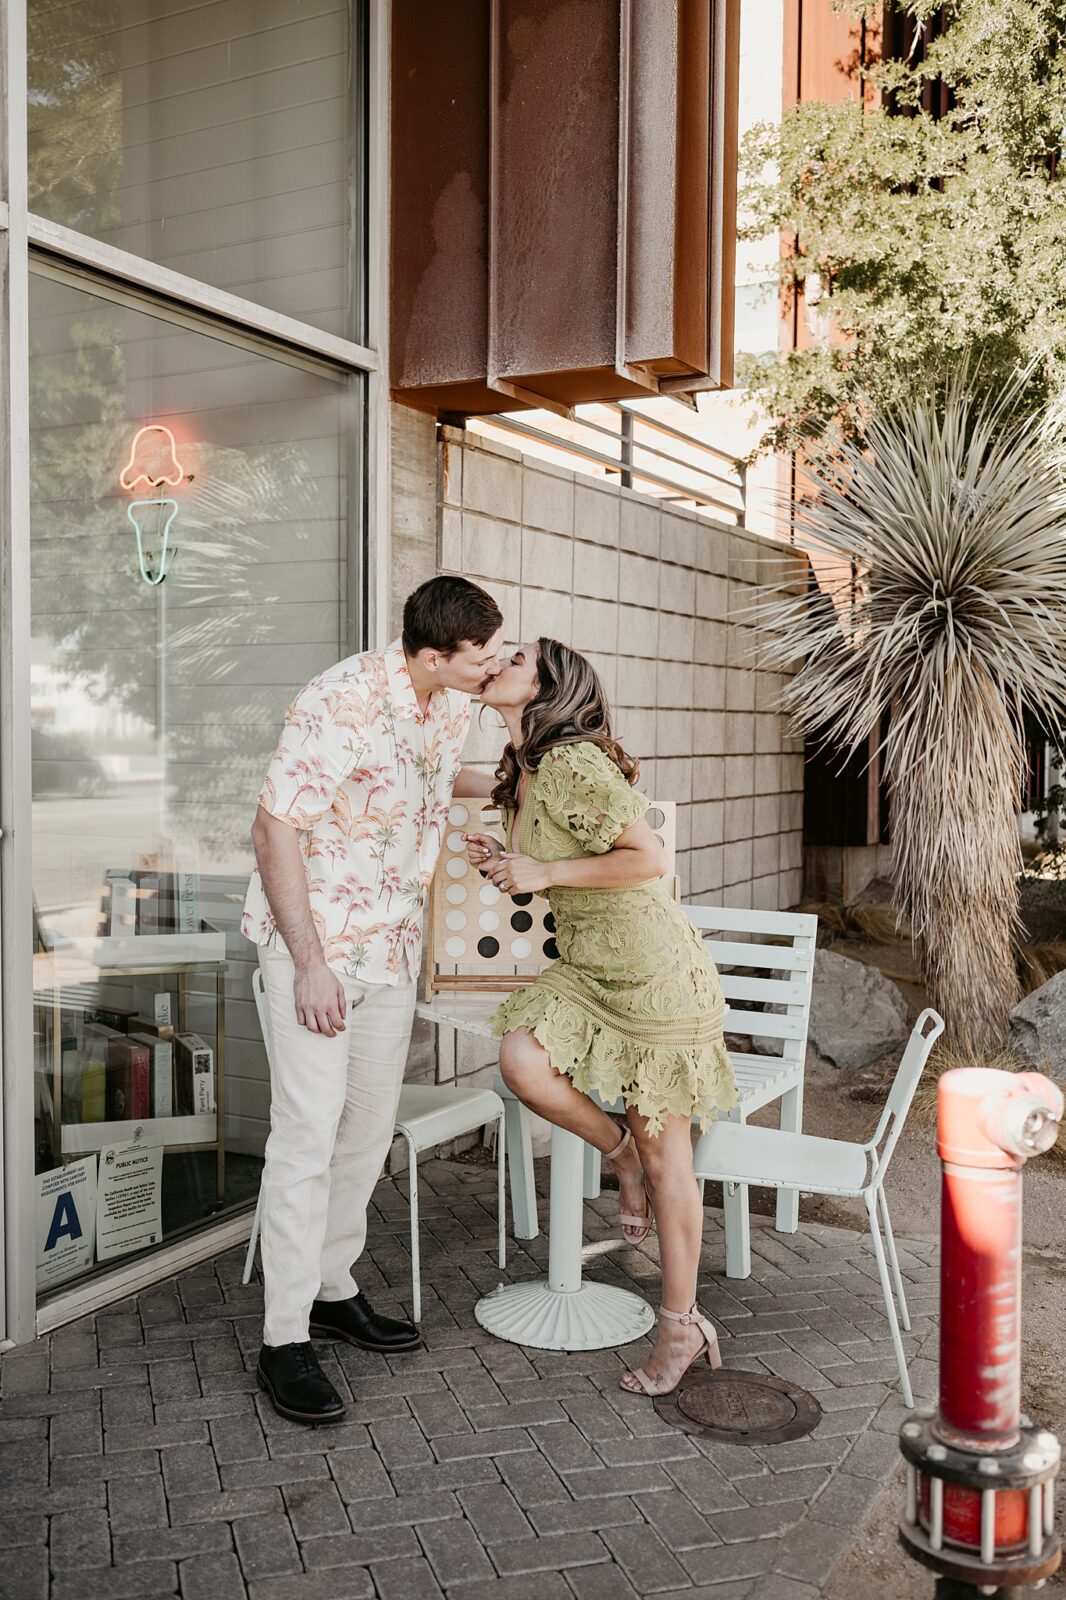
153	465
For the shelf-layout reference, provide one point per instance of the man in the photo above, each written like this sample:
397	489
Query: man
349	827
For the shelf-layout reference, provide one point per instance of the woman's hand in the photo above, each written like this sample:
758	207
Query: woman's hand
482	849
516	874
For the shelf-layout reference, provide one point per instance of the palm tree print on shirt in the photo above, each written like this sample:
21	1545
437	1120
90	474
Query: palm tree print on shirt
311	779
366	778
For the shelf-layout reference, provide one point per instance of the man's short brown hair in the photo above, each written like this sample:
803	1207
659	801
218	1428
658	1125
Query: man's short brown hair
443	613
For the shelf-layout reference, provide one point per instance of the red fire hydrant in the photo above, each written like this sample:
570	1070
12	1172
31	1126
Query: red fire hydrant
980	1496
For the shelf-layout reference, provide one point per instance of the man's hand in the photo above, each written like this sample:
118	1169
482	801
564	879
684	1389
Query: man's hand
321	1004
516	874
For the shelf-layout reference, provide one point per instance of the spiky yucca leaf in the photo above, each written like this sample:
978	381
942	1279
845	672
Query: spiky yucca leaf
949	522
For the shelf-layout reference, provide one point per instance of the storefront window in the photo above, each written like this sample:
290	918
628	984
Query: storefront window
189	540
223	140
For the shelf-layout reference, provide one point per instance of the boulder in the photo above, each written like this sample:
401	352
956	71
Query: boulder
1038	1027
857	1014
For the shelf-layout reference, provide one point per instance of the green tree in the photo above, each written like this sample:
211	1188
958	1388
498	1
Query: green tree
917	242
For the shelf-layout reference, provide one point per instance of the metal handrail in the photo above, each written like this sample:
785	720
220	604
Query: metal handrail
663	455
614	464
674	433
644	462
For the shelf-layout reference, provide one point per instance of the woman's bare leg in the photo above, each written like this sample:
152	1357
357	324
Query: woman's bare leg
526	1069
667	1163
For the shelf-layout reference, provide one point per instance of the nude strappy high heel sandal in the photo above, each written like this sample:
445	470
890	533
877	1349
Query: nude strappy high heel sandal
708	1348
626	1218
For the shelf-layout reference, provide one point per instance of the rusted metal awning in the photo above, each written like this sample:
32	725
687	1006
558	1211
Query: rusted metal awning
563	200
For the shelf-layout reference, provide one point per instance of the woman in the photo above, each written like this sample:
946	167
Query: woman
633	1008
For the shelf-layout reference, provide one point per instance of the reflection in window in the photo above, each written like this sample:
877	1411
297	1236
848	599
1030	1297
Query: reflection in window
223	140
155	707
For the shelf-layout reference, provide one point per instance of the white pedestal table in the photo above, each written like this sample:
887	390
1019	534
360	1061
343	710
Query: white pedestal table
564	1311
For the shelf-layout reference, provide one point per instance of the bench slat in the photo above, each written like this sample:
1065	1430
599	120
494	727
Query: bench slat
790	924
765	1024
754	1080
775	957
769	991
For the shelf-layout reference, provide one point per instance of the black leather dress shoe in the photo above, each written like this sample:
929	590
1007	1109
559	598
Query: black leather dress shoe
296	1384
356	1321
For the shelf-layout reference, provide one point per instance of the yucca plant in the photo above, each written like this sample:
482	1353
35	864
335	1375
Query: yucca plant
946	520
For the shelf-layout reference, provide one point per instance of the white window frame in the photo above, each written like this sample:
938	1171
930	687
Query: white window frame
245	322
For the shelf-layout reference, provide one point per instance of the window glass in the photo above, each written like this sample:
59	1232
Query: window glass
223	140
189	537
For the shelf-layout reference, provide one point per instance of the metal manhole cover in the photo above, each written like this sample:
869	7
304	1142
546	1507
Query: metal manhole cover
739	1407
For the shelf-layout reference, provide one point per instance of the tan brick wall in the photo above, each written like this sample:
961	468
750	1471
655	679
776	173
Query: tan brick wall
654	596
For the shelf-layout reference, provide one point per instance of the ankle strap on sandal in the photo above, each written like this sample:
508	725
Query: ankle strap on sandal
691	1315
612	1155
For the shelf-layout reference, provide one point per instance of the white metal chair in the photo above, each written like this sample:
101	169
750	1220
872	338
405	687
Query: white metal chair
428	1115
736	1154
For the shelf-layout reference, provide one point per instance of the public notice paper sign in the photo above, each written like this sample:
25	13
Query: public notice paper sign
128	1198
66	1221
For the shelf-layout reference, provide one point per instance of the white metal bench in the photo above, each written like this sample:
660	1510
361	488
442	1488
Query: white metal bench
766	959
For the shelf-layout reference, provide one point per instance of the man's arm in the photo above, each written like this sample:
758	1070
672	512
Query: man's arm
317	992
473	785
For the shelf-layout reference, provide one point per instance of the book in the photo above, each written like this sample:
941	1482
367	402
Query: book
93	1090
194	1074
113	1019
71	1078
161	1008
168	906
203	1081
186	902
72	1028
128	1080
71	1055
158	1030
98	1031
123	907
161	1054
148	905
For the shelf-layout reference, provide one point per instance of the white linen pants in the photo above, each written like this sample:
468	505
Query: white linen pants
332	1114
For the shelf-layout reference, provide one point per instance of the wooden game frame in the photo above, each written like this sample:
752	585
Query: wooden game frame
513	942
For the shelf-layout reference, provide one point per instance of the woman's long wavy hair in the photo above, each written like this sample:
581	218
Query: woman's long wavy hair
569	707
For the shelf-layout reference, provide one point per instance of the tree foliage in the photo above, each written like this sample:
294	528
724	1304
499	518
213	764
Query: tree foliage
946	520
922	241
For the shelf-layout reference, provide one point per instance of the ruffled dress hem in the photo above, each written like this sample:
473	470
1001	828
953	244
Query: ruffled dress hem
656	1080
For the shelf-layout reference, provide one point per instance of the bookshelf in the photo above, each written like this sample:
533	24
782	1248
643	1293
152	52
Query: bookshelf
171	956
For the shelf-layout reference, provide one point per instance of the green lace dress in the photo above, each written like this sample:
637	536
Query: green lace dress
633	1008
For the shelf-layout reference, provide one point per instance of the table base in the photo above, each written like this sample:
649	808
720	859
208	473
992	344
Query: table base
595	1316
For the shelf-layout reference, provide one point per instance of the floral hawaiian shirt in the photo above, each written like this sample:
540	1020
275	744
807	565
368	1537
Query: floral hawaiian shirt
367	780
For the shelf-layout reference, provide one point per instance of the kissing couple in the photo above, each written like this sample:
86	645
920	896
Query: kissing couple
347	833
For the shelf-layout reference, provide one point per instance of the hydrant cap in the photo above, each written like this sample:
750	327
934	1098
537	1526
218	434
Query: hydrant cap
988	1118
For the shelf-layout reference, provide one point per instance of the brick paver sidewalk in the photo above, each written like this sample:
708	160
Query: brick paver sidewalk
138	1459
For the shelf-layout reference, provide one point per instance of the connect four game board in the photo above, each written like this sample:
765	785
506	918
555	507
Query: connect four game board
481	938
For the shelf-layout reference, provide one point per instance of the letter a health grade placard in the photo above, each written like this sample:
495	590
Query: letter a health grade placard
66	1222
